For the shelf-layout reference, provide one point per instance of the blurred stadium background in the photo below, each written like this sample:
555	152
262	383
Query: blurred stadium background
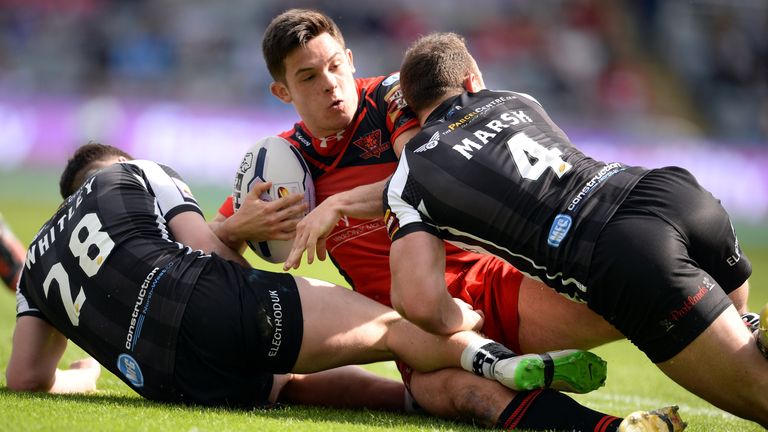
183	82
650	82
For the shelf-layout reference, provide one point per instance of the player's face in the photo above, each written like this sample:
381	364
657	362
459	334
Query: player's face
320	85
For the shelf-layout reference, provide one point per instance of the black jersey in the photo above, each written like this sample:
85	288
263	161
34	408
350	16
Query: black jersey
106	273
492	173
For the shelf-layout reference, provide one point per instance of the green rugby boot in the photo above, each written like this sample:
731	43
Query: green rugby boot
572	370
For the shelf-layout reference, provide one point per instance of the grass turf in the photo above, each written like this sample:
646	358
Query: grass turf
633	382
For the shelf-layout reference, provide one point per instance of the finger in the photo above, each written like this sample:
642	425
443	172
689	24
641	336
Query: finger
292	262
294	259
290	209
321	251
309	246
258	189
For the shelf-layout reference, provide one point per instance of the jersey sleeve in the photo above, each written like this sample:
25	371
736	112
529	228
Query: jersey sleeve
169	189
25	305
227	208
401	198
399	116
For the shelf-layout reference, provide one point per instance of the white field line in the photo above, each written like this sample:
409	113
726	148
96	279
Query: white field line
652	403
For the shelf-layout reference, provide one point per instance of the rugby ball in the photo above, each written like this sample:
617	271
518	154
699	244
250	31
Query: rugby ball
273	159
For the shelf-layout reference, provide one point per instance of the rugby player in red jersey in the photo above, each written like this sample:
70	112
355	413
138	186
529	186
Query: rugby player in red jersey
351	133
11	256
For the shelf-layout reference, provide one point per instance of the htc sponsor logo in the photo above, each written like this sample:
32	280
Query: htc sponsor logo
277	323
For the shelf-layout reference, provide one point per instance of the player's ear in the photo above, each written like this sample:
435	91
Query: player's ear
349	58
280	91
474	82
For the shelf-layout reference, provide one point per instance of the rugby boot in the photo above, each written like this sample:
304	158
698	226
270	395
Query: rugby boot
661	420
751	320
573	371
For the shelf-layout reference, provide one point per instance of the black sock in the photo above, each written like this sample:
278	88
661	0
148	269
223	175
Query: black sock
552	410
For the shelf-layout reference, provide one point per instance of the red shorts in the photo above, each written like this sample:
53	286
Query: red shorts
492	286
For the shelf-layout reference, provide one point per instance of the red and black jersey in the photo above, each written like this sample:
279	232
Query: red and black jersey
359	155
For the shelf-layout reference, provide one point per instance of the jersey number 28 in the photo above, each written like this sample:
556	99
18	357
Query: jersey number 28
99	244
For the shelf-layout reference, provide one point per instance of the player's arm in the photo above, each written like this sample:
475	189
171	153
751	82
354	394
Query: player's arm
417	262
190	228
419	294
256	219
37	348
362	202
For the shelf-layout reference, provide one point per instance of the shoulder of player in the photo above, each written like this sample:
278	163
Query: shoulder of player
380	90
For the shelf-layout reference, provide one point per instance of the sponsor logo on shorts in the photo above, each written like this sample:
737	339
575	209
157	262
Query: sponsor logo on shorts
275	320
676	315
559	229
130	369
688	305
736	256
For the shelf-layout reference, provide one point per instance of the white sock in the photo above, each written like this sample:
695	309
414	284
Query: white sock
477	359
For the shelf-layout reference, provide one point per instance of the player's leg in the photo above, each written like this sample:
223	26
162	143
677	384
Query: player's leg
550	321
526	315
724	367
451	393
343	327
645	281
739	297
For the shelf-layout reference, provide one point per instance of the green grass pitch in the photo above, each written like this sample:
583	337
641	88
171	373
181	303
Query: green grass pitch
28	199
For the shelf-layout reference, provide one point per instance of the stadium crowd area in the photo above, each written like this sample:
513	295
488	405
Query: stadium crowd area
678	67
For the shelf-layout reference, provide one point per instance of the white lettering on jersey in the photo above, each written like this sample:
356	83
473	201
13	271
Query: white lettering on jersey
45	241
503	121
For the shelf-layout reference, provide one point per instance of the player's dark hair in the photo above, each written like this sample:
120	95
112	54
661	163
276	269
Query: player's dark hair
292	29
435	65
78	165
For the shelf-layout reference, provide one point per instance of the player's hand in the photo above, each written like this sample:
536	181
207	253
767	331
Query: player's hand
473	318
89	370
311	233
259	220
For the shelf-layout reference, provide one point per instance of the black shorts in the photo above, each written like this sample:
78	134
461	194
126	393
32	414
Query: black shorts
240	326
665	262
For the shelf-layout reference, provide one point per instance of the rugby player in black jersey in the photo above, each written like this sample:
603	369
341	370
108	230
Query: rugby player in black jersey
128	270
649	250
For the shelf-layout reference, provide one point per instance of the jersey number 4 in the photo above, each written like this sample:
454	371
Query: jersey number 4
524	149
90	253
